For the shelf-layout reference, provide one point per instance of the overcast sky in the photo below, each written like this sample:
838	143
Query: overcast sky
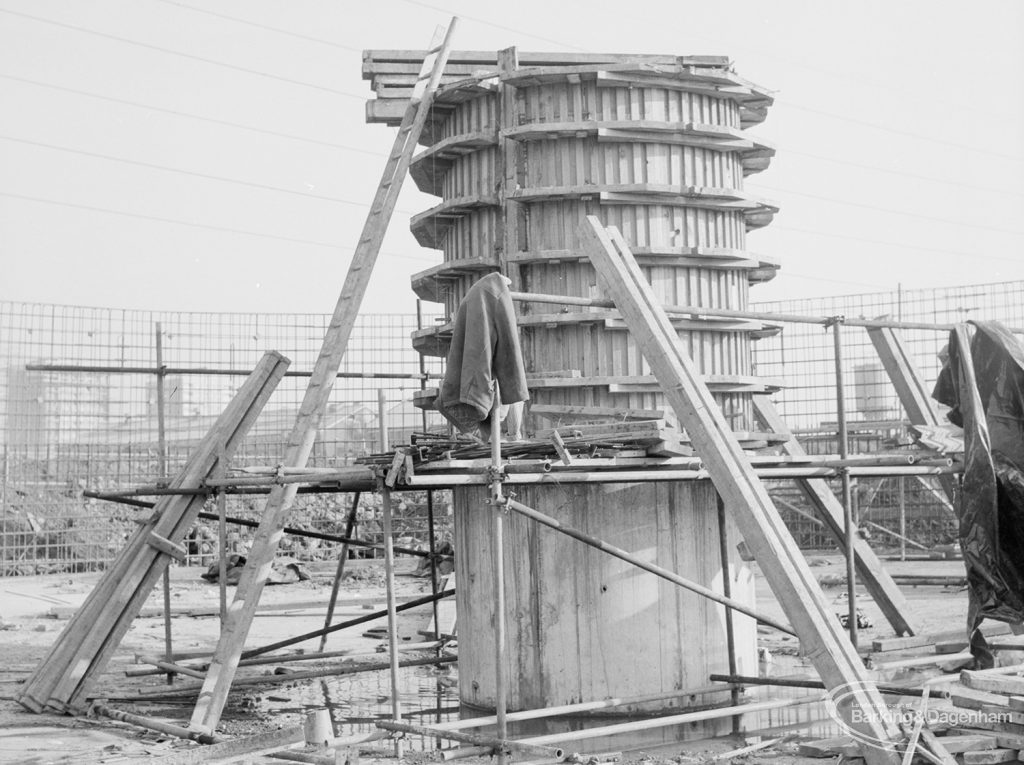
212	154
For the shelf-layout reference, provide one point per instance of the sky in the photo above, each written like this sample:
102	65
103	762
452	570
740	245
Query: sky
212	155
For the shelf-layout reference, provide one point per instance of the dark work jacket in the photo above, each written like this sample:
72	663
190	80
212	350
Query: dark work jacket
485	347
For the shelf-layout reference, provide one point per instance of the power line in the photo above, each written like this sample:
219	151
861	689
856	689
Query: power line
905	213
189	56
889	171
957	253
895	131
832	115
496	26
266	27
793	275
192	224
348	147
176	113
205	176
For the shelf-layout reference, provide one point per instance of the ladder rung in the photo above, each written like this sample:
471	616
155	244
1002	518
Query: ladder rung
434	50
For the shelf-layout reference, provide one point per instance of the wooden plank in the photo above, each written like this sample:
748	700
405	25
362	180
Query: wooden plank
883	645
981	681
872	573
235	629
990	757
822	637
412	59
937	747
558	412
959	744
968	698
167	547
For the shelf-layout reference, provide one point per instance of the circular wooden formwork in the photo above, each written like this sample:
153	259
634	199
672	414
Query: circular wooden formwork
518	159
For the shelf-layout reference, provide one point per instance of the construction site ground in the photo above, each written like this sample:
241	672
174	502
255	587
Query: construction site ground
33	610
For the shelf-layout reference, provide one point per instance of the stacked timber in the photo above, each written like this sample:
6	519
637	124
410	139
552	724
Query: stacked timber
82	650
991	709
521	147
981	724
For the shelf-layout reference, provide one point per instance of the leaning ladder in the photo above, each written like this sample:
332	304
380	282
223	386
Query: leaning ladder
221	672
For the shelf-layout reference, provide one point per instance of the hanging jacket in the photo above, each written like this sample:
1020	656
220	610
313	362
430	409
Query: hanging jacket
485	347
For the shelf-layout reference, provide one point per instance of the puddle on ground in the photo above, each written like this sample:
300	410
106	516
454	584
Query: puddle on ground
356	702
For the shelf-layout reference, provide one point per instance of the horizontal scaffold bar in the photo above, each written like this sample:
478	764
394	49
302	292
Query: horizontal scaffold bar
697	310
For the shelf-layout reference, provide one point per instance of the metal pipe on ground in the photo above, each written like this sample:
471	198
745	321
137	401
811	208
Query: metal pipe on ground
193	689
895	690
664	722
342	625
472	738
156	725
389	583
585	706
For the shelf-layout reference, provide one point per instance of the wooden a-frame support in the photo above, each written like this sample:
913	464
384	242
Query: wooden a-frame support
81	652
872	573
235	630
822	638
910	388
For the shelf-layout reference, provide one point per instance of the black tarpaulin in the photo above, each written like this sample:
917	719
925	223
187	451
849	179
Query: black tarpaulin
983	383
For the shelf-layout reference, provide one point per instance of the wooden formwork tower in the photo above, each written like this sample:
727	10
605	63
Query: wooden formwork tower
520	153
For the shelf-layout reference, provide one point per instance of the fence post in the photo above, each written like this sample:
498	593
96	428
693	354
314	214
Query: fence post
849	521
161	458
382	419
903	517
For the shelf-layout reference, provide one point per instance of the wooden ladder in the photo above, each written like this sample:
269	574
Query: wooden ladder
221	672
821	637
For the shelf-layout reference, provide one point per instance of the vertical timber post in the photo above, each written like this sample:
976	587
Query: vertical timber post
350	527
382	420
389	574
497	502
730	632
844	451
161	456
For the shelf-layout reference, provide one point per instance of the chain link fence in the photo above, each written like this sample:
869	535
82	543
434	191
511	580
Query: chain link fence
79	406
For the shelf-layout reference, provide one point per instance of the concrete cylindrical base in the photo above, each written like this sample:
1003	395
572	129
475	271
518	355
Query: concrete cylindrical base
583	625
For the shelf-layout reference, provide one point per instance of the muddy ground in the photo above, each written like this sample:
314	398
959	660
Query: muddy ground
33	610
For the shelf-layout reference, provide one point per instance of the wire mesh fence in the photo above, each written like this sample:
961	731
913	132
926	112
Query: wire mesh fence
80	399
801	358
83	409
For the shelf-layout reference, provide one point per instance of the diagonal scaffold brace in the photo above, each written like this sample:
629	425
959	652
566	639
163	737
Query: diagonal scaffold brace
822	639
220	675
